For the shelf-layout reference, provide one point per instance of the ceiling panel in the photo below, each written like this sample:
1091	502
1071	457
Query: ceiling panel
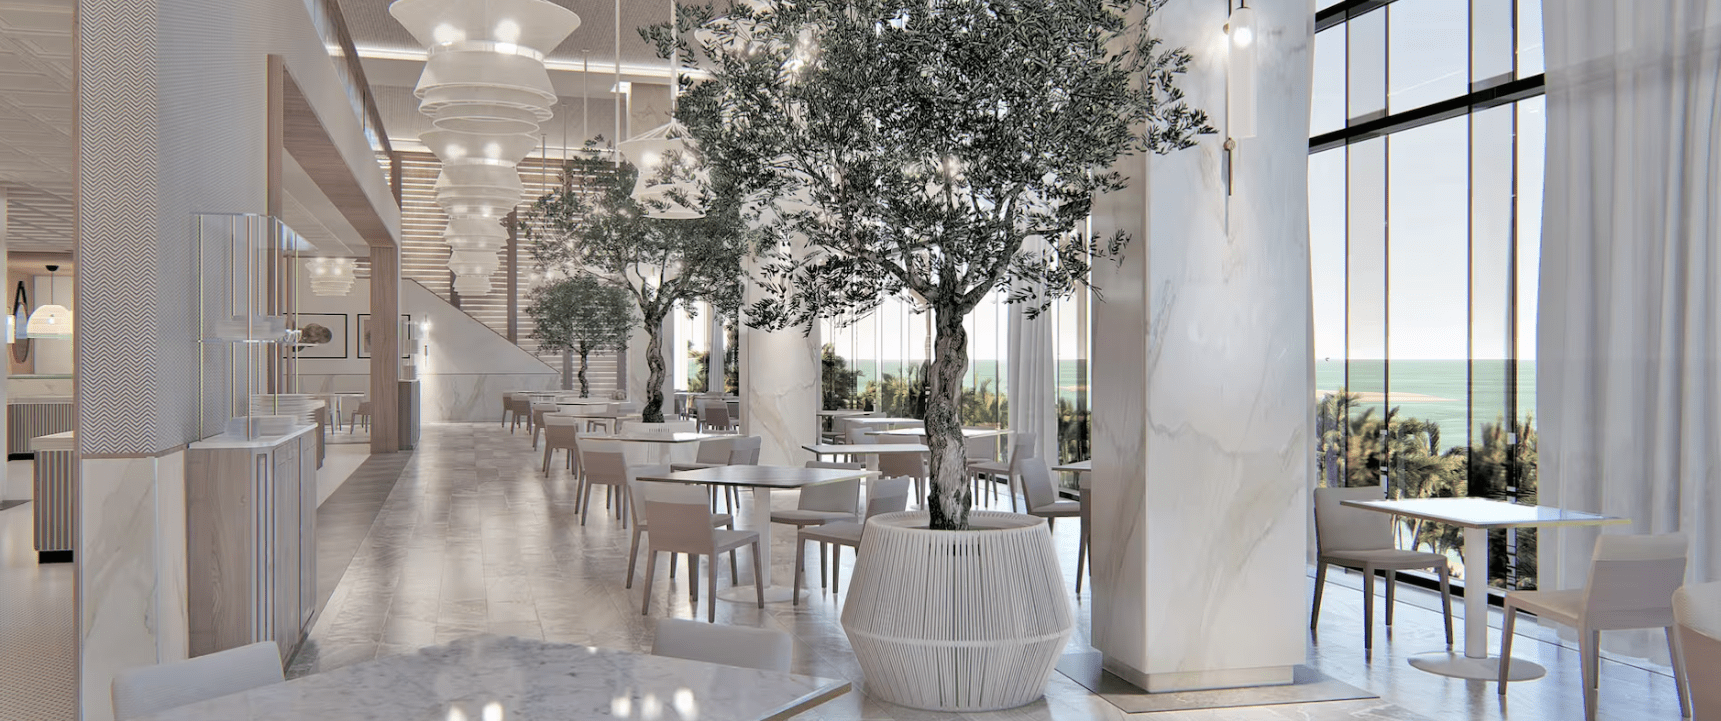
36	152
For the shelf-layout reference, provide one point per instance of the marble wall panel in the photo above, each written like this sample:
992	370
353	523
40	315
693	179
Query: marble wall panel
1205	374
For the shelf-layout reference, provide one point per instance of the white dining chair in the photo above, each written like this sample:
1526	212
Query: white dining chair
561	433
977	450
149	690
539	410
637	490
603	468
1021	446
1697	612
765	649
885	495
681	523
912	465
1362	540
1632	580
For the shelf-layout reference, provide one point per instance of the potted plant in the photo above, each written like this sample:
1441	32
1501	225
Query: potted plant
939	151
592	225
580	315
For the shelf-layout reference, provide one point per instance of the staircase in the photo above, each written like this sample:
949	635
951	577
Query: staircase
424	259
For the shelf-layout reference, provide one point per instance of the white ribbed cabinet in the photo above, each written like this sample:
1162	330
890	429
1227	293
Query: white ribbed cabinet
251	510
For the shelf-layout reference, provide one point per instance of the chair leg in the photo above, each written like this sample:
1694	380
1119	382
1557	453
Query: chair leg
549	453
1680	682
1391	588
674	558
711	591
1446	600
1367	610
800	570
1506	630
758	576
734	575
632	557
1588	649
650	571
1320	587
1081	558
1010	483
585	503
836	567
824	568
693	580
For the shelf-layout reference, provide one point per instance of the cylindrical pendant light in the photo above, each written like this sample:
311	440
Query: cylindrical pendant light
1240	86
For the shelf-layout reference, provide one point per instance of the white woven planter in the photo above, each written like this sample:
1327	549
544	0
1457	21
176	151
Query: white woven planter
957	620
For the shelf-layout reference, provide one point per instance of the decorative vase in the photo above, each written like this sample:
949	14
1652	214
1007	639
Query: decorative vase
957	620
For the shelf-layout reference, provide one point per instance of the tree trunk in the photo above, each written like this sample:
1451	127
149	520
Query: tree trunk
653	412
585	388
948	500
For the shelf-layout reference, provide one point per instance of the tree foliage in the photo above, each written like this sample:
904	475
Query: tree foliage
592	225
914	147
580	315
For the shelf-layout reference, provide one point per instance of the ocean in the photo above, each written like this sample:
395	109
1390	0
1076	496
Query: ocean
1458	395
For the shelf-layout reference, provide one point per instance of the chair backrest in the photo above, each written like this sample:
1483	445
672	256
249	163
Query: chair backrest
835	496
715	450
561	431
1037	483
859	435
901	464
1341	528
638	490
679	517
745	452
841	466
888	495
604	467
984	448
717	414
152	689
1024	445
761	648
1632	580
1697	610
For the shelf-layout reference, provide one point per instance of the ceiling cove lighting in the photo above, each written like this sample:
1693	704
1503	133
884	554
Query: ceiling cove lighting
50	321
486	92
331	276
669	173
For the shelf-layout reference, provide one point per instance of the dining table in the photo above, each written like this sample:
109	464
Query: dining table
663	442
491	678
762	480
821	450
921	432
1478	516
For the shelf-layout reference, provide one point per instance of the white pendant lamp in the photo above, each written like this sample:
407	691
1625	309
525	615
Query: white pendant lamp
669	175
50	321
1240	76
486	91
331	276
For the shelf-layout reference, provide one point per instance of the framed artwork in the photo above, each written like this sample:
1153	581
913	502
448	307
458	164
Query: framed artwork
364	336
322	335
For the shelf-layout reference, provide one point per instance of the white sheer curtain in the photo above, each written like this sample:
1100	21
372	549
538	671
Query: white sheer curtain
1629	338
1032	375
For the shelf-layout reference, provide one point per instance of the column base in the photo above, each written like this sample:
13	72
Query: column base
1202	680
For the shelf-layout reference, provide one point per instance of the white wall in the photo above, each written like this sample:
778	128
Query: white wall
469	365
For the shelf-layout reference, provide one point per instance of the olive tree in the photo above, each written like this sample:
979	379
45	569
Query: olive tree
593	225
580	315
914	148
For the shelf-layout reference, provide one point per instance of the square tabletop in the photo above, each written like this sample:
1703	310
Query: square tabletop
966	432
1086	466
761	476
844	413
485	677
881	421
1485	513
856	449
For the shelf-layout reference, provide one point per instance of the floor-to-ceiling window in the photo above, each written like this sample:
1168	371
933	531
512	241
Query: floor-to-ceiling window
877	361
1425	181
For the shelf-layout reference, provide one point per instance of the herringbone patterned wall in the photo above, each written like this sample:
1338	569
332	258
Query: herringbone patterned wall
119	372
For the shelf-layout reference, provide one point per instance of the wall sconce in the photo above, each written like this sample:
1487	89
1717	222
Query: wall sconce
1240	88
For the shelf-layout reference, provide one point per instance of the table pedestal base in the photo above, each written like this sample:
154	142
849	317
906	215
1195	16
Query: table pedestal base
745	594
1457	665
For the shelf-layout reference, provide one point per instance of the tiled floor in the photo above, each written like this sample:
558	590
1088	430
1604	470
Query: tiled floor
38	646
472	539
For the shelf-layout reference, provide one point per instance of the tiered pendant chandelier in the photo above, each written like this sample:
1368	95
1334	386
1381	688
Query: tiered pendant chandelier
669	175
331	276
486	91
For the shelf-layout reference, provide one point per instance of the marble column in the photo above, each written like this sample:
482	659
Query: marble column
780	391
1204	380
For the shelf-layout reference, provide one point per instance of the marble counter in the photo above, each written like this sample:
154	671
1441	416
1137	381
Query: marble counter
262	442
484	677
66	441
